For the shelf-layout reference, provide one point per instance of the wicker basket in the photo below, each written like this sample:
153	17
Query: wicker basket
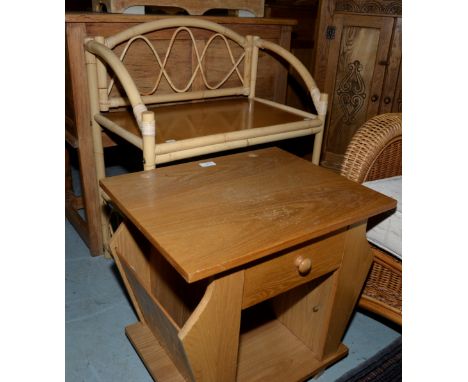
375	153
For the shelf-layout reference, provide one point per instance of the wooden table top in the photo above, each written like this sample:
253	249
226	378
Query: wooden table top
206	220
94	17
187	120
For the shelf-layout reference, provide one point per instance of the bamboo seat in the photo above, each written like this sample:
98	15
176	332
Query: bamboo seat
375	152
142	90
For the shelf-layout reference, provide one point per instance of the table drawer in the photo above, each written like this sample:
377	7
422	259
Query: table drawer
291	268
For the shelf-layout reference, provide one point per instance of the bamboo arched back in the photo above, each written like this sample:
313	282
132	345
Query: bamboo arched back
251	44
101	57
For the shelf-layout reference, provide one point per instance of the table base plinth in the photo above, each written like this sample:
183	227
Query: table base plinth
268	352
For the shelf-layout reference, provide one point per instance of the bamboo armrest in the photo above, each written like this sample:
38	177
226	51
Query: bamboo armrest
184	121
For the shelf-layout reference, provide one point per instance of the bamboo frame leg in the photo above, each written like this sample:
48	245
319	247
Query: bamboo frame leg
254	64
248	65
318	138
148	130
322	110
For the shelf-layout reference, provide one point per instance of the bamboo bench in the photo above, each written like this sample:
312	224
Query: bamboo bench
171	113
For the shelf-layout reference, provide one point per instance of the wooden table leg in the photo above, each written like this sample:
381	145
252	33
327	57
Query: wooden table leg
73	203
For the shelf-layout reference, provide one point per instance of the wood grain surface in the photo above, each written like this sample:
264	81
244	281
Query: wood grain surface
206	220
78	114
161	324
261	355
155	357
193	7
391	94
91	17
277	275
270	352
360	45
197	119
211	335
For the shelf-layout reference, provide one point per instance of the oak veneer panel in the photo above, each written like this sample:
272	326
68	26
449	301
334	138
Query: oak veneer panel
163	327
350	278
305	311
261	355
91	17
197	216
192	7
172	291
132	248
280	274
211	335
318	313
270	352
197	119
123	245
155	358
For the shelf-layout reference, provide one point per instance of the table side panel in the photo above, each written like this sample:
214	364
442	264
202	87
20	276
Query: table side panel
211	335
153	354
159	322
350	278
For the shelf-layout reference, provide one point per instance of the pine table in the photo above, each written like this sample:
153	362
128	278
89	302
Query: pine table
244	267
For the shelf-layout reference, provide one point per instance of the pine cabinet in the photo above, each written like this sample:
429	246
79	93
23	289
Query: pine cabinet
359	57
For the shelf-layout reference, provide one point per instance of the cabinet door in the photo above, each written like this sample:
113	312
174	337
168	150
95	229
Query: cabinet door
355	77
391	95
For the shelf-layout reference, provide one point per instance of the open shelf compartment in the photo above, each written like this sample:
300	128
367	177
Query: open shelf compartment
199	332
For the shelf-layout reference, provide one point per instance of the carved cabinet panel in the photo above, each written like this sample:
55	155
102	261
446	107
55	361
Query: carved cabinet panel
391	93
362	77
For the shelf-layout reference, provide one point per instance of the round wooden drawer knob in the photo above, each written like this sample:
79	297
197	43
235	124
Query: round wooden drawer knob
303	265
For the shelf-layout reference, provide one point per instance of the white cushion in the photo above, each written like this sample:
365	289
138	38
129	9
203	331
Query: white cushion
387	233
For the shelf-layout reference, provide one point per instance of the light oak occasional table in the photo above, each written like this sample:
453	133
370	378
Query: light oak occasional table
246	267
